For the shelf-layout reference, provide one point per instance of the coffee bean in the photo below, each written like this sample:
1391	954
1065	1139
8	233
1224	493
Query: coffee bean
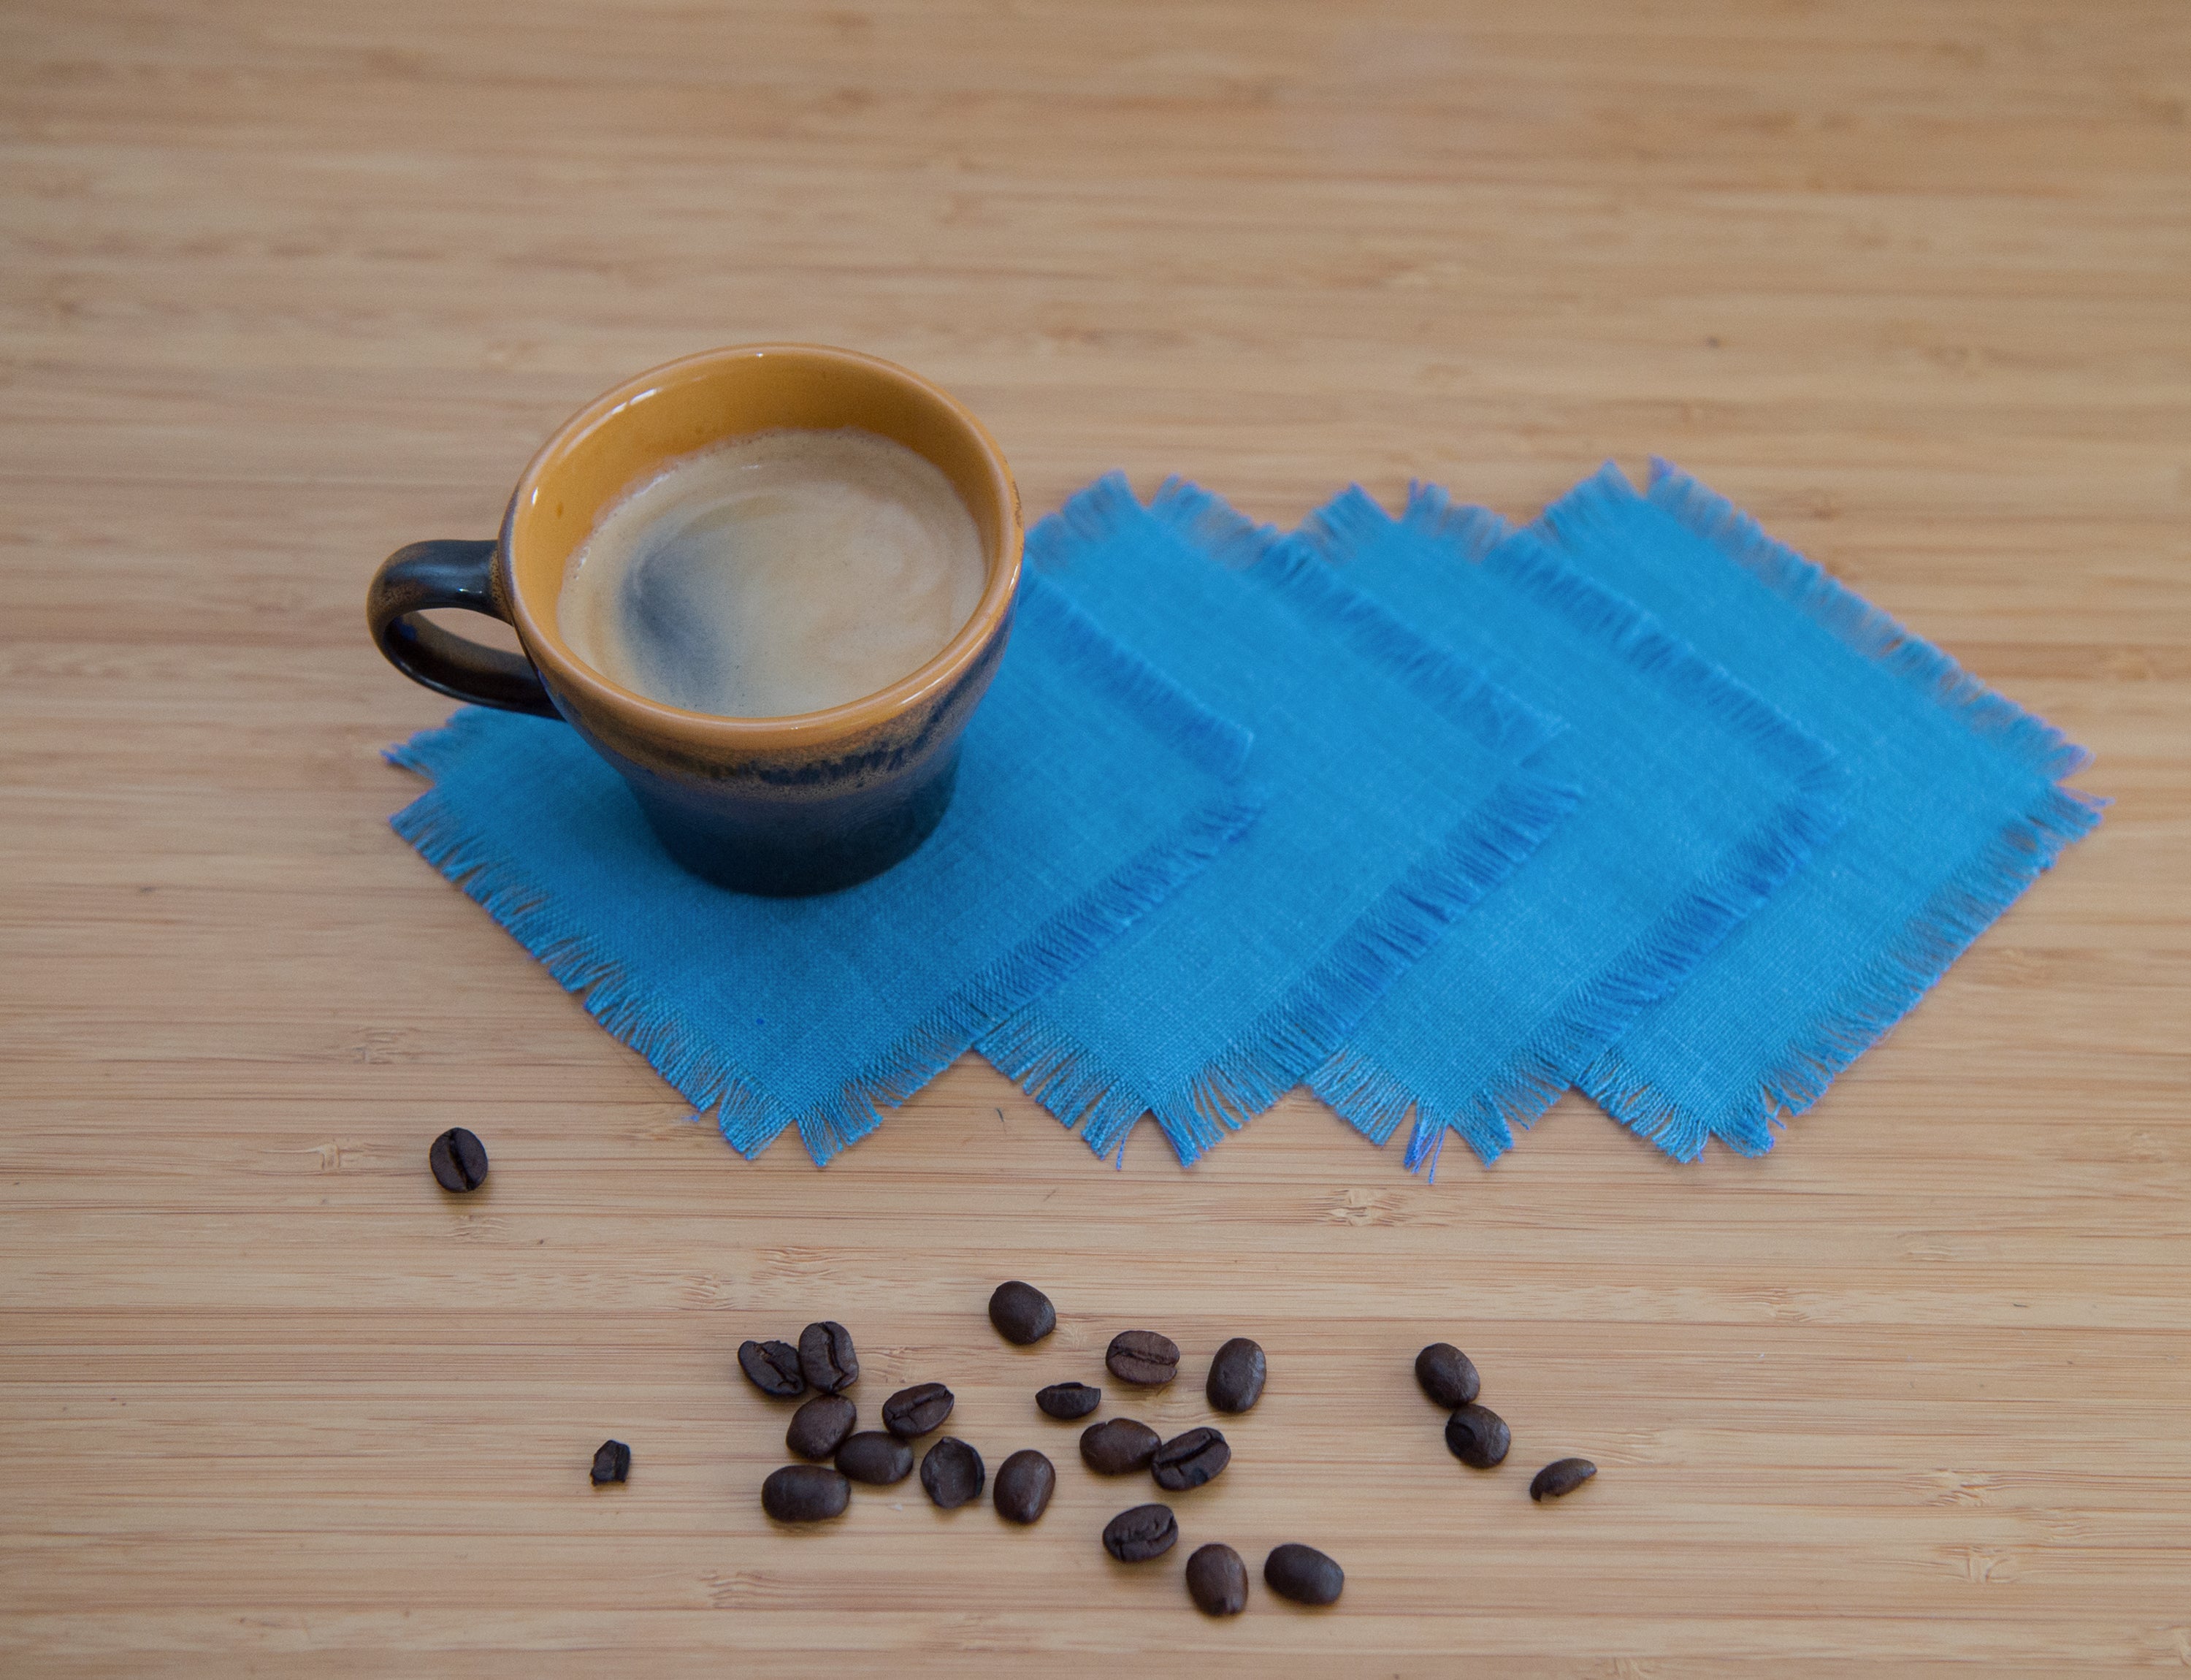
1235	1376
1560	1477
1304	1575
918	1409
1217	1581
612	1462
805	1492
1025	1482
819	1427
1021	1313
1478	1436
1447	1375
1147	1531
1069	1400
875	1458
1142	1356
772	1367
1190	1460
1117	1445
951	1471
459	1159
826	1357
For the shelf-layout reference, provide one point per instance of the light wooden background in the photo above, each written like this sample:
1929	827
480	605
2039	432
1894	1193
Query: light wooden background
286	285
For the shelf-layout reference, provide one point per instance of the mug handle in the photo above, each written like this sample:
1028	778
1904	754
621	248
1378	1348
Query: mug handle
450	573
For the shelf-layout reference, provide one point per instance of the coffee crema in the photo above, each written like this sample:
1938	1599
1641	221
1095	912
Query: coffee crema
767	576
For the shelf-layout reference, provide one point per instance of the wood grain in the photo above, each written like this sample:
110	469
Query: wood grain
286	285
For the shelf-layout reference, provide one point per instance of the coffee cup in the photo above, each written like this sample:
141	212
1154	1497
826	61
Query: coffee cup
777	806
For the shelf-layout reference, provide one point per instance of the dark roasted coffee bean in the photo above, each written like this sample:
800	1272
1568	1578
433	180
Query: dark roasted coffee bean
1190	1460
772	1367
951	1471
819	1427
1147	1531
918	1409
1217	1581
805	1492
826	1357
1025	1482
1117	1445
1478	1436
459	1159
612	1462
1142	1356
875	1457
1069	1400
1235	1376
1304	1575
1560	1477
1447	1375
1021	1313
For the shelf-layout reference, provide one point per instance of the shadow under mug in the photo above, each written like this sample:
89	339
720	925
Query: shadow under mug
779	805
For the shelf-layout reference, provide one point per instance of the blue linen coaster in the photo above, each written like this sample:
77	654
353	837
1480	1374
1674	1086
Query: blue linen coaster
1397	802
1090	788
1698	800
1955	811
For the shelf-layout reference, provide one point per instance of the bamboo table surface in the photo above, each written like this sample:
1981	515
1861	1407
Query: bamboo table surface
288	285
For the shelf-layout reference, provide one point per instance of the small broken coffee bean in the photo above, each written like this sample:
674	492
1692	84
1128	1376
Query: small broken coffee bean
1236	1376
1025	1482
951	1472
1447	1375
612	1462
1560	1477
1069	1400
826	1357
1147	1531
918	1409
772	1367
459	1159
1117	1445
876	1458
805	1492
1142	1356
1304	1575
1021	1313
1477	1437
1217	1581
1190	1460
819	1427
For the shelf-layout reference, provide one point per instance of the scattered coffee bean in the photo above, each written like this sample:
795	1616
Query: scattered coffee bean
819	1427
772	1367
1236	1376
1190	1460
1025	1482
805	1492
1217	1581
1117	1445
1447	1375
1478	1436
875	1457
1142	1356
1304	1575
826	1357
459	1159
918	1409
1560	1477
1069	1400
1021	1313
1147	1531
951	1471
612	1463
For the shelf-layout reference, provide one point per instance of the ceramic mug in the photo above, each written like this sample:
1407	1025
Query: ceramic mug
781	805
